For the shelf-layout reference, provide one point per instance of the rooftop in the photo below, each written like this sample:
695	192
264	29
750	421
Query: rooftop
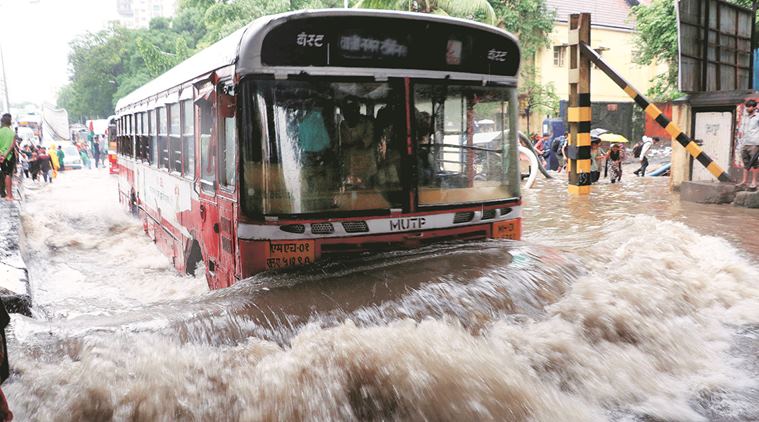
608	13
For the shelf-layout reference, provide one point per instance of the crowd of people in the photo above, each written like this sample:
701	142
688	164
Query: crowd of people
38	163
553	153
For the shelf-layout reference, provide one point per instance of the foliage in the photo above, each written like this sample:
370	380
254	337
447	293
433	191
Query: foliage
532	22
538	97
530	19
96	61
480	10
111	63
657	43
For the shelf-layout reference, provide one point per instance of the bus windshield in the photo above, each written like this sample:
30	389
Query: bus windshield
331	146
311	146
466	143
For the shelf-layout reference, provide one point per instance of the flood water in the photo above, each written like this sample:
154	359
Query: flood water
627	305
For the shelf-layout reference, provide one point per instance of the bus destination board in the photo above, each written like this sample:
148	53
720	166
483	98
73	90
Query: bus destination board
387	42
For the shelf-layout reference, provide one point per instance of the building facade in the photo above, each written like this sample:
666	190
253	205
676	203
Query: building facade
612	35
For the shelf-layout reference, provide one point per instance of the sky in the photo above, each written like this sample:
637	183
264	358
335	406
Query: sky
35	36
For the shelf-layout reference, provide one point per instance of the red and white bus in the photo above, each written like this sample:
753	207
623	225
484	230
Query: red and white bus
323	133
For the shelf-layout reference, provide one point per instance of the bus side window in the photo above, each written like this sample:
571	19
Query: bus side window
175	138
138	136
153	137
227	139
130	139
135	133
207	150
188	137
163	139
144	138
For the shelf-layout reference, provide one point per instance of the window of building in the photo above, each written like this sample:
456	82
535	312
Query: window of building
163	138
175	138
558	55
188	137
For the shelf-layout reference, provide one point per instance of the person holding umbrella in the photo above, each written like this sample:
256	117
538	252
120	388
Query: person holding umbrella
614	161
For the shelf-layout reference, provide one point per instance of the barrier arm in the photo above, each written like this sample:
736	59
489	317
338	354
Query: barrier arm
652	111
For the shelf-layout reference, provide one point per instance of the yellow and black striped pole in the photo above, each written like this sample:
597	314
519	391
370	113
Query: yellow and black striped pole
652	111
579	113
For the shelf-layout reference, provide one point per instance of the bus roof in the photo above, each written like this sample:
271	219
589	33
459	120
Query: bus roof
298	42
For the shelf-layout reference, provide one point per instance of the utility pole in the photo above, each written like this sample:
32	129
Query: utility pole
579	112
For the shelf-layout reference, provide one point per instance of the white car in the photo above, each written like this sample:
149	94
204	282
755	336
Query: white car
71	158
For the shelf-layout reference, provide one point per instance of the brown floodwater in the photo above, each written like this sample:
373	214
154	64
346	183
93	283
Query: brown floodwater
625	305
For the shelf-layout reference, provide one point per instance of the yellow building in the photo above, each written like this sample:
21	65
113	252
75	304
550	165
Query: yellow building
612	35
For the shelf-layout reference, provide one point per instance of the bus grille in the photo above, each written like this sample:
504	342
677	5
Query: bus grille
505	211
355	227
293	228
488	215
322	228
463	217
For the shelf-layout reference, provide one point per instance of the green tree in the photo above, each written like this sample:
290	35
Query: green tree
532	22
530	19
109	64
656	38
96	62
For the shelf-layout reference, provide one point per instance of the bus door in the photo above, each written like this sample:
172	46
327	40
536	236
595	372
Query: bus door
206	104
227	179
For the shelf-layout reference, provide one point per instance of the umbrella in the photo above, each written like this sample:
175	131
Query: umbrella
613	138
595	133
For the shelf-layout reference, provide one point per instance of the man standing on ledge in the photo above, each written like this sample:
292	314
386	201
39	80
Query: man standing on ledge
7	157
749	135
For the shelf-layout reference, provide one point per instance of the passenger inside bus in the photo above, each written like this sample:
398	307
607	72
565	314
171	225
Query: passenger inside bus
390	147
324	151
358	151
316	156
313	137
425	153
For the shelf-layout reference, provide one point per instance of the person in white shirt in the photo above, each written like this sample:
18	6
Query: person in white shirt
749	136
645	150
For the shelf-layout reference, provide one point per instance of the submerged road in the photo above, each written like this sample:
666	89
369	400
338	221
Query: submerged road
628	305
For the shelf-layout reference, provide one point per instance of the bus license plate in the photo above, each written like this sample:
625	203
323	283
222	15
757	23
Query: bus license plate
506	230
281	254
